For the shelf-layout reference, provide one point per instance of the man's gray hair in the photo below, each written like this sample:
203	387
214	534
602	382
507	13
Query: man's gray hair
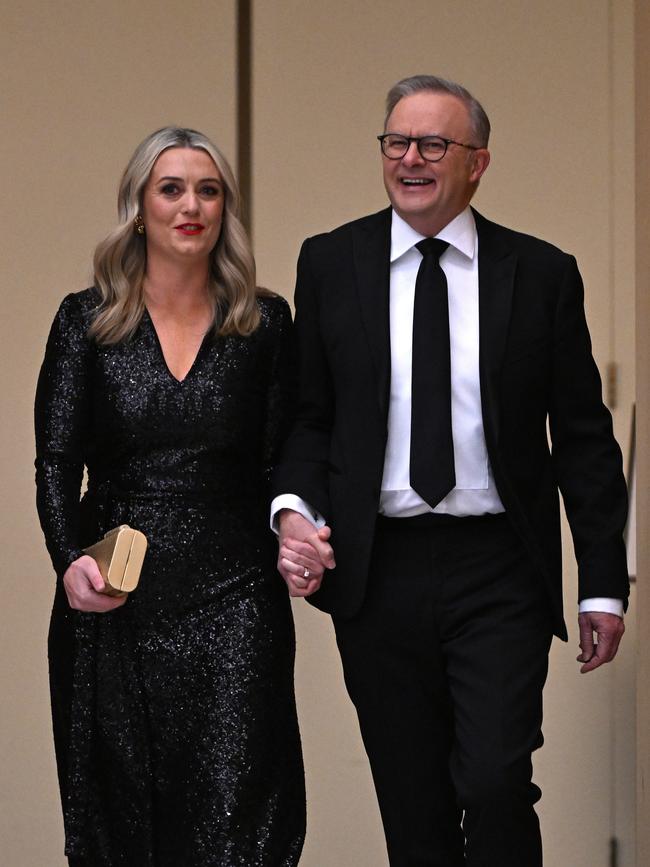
431	83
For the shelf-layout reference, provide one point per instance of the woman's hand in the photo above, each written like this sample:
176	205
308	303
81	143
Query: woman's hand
83	582
304	553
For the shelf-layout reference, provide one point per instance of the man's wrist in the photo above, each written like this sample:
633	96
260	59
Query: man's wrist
602	604
295	504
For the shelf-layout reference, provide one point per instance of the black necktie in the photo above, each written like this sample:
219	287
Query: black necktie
432	448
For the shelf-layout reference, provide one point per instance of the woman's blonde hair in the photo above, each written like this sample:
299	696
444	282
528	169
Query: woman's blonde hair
120	259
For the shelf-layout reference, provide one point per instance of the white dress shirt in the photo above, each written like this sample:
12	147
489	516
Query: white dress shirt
475	492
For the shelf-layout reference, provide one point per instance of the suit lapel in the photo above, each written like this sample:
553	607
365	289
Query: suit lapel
497	268
371	256
497	264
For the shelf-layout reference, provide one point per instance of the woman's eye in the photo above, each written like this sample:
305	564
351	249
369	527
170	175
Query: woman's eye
169	190
209	190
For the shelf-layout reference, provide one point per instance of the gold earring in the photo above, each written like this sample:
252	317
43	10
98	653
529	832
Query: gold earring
139	225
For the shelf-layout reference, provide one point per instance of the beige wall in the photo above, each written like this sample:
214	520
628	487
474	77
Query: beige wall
83	82
642	55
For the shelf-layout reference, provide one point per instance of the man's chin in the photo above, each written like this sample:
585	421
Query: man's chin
421	217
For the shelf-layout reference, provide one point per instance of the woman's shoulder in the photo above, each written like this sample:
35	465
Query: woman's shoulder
80	305
276	325
74	316
274	309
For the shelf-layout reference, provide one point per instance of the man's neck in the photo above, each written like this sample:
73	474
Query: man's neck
426	224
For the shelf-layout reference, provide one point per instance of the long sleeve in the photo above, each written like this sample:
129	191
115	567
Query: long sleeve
586	456
282	385
304	467
61	414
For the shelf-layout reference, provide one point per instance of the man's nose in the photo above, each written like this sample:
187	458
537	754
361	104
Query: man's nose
412	156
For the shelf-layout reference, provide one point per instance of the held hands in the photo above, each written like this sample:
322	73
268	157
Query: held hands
609	629
304	553
83	583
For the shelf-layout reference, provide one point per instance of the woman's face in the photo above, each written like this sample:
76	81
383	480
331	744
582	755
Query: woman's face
182	205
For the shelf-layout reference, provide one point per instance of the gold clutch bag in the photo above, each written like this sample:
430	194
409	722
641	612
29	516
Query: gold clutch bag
119	555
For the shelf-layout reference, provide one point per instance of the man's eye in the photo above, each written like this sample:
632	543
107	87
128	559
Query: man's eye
396	146
432	146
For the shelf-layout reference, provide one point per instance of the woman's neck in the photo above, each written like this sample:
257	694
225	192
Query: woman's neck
175	287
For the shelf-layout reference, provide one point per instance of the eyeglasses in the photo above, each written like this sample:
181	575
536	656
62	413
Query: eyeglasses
431	148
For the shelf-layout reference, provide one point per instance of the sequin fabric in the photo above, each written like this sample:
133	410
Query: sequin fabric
174	716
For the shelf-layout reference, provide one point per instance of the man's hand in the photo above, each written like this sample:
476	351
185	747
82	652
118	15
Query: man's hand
304	553
609	629
83	582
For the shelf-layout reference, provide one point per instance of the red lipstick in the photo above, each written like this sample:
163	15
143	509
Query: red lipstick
190	228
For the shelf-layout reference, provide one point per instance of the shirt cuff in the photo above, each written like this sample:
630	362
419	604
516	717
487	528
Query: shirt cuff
296	504
602	604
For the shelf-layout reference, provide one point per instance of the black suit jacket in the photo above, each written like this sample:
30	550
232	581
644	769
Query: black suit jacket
535	366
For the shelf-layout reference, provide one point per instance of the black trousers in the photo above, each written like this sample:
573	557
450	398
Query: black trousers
445	664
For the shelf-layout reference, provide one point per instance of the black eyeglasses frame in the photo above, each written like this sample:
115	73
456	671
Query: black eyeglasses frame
417	139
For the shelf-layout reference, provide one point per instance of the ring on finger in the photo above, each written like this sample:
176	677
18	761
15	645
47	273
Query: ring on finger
306	573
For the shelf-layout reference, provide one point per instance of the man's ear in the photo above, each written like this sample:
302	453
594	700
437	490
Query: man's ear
480	162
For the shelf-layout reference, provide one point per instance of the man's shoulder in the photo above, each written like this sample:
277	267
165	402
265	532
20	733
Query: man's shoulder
342	234
493	235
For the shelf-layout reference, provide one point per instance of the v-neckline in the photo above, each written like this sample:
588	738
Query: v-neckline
162	354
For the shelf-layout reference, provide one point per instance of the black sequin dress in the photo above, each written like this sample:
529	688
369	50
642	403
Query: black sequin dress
174	716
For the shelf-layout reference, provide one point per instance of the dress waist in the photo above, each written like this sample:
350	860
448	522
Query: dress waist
108	490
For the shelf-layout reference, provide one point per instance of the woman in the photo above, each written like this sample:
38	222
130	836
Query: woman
169	380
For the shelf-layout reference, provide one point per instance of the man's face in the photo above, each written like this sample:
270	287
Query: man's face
429	195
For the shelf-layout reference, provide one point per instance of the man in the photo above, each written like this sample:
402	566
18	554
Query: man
429	371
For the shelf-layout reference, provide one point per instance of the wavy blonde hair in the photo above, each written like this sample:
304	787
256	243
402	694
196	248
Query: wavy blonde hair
120	259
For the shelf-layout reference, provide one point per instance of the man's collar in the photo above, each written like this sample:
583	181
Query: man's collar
460	234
